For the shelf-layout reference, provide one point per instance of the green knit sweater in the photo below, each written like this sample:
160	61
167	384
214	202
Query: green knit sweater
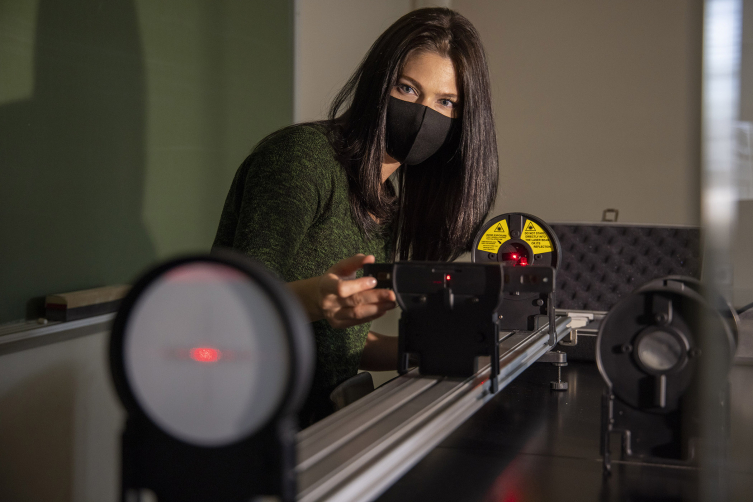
288	208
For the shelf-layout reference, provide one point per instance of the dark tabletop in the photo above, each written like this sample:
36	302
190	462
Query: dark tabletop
533	444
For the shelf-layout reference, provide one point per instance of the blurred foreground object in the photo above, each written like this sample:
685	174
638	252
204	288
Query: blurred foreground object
722	48
212	357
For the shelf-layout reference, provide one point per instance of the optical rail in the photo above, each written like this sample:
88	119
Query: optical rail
359	451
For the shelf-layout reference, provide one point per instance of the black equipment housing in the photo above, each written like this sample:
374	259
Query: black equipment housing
449	316
262	464
651	398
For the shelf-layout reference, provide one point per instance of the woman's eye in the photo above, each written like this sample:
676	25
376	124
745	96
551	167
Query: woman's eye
447	103
406	89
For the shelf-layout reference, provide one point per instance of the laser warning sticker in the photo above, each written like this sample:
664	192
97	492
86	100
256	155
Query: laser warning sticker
494	236
536	238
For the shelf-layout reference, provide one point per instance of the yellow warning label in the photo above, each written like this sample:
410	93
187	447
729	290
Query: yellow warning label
536	238
494	236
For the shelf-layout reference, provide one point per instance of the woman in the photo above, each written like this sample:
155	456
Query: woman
405	168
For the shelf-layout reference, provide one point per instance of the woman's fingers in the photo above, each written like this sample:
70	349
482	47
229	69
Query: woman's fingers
366	310
346	301
333	302
346	288
350	316
370	296
355	292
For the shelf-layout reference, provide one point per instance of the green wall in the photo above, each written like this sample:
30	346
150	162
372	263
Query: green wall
121	125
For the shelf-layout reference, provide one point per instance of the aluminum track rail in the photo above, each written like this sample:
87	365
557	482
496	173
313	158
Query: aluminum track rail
358	452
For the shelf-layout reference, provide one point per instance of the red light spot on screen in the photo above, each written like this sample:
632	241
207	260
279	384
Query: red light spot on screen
205	354
448	277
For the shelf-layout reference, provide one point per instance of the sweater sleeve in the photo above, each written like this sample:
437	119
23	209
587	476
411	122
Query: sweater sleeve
276	196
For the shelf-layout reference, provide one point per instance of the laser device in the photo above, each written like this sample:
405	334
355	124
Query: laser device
516	240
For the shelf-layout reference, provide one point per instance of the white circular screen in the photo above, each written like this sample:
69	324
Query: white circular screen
206	354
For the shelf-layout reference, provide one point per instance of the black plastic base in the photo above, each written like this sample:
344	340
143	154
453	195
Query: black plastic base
179	472
448	345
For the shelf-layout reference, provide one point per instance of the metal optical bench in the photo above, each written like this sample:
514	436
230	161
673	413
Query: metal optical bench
358	452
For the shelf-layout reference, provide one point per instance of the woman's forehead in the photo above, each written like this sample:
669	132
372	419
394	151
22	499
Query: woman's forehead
431	69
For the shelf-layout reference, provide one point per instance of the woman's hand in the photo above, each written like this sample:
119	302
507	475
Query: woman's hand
340	298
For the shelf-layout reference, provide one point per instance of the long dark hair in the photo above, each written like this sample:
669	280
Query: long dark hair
439	205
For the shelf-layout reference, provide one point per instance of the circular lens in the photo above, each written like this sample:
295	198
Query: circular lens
206	354
659	351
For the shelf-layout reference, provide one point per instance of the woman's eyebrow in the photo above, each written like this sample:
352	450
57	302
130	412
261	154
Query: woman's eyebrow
449	96
412	81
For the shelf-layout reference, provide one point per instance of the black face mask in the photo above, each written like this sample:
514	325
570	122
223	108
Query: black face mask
414	132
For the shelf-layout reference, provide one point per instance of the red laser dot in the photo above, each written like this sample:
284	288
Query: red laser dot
448	277
205	354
